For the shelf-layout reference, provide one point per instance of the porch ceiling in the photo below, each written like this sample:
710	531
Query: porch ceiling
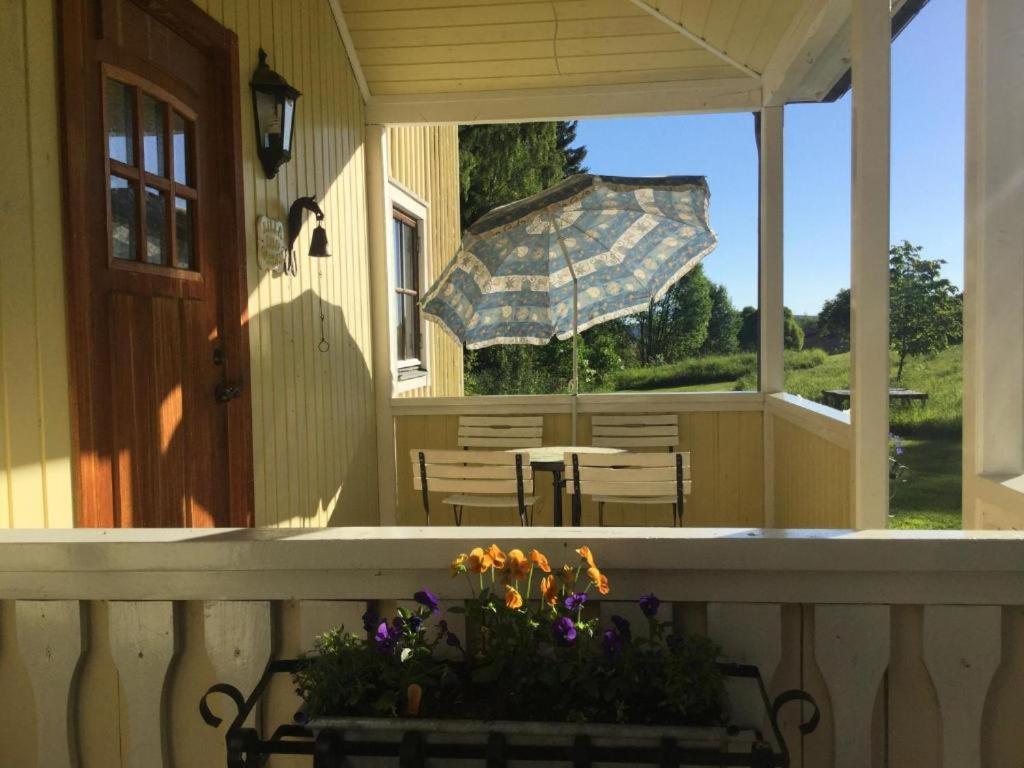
498	60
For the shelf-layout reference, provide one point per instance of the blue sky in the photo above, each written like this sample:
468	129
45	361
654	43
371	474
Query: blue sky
927	168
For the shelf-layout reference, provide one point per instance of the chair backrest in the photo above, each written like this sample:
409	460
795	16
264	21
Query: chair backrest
636	431
490	473
501	431
628	475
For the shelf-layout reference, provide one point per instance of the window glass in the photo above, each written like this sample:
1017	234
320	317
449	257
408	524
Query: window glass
406	275
184	233
181	140
124	230
156	226
153	114
120	122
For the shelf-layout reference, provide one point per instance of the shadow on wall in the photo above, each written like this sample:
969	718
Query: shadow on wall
314	433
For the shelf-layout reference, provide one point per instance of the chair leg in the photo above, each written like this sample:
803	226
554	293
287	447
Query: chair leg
675	515
600	513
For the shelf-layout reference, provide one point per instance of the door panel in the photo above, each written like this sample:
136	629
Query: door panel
155	262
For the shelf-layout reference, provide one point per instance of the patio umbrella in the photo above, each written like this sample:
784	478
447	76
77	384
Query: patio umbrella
587	250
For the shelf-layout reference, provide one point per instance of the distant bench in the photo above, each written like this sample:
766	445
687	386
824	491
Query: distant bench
836	397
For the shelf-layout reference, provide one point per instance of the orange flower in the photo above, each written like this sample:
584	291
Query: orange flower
549	589
497	557
459	565
518	565
569	574
479	561
594	575
513	599
585	553
602	585
540	561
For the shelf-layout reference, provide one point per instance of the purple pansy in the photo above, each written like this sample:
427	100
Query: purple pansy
622	626
575	601
611	640
427	599
386	637
649	604
370	620
564	630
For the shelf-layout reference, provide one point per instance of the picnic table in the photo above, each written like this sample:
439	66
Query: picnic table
836	397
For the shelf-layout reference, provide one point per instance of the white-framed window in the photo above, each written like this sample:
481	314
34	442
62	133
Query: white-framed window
408	280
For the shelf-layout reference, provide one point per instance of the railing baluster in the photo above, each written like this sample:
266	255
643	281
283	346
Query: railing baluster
851	646
962	650
239	641
51	642
143	643
749	633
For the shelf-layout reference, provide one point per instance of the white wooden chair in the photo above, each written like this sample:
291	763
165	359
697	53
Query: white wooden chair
636	431
631	478
498	479
501	431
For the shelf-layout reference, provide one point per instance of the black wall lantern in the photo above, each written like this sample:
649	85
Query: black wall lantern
273	105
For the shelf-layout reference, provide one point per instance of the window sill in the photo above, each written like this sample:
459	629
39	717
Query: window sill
410	378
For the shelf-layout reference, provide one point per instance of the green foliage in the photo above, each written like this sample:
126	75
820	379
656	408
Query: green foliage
499	164
711	369
924	310
749	333
723	324
535	653
834	319
676	326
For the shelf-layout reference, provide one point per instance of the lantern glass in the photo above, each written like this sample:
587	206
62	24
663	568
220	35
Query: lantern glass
273	101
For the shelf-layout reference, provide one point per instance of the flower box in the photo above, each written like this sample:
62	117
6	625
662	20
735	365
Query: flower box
537	680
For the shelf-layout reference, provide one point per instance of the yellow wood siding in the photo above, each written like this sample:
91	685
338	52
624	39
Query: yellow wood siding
725	456
35	432
313	412
811	478
425	160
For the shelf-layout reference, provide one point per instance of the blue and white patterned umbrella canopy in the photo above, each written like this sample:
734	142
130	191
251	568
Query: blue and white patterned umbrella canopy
626	239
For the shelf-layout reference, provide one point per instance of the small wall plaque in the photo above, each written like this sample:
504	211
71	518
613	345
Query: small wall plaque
270	244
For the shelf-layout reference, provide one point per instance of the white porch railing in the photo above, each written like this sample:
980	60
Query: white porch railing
913	643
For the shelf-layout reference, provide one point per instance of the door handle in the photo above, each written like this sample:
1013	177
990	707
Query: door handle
226	392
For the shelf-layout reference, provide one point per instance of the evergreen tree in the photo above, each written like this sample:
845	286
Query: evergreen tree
834	318
749	335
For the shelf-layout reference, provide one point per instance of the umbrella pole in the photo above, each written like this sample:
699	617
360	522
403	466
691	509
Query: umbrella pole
575	353
574	388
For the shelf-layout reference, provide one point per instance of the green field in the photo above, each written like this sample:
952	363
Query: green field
930	495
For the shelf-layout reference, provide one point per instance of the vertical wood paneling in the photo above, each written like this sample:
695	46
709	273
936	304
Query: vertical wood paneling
425	160
313	412
812	479
35	427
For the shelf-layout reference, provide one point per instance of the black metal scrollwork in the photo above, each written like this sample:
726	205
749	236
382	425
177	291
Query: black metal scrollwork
786	697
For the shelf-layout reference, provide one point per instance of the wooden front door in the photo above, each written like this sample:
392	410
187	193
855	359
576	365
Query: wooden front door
155	254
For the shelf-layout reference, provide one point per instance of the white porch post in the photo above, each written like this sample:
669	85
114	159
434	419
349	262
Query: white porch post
377	236
770	266
869	275
993	458
770	263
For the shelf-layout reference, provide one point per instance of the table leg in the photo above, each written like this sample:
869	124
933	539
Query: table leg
577	511
556	504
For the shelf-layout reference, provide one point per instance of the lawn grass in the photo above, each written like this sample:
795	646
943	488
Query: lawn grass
930	497
713	369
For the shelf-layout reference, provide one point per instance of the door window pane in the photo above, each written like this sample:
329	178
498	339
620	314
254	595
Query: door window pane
153	115
156	226
184	233
123	227
120	121
181	139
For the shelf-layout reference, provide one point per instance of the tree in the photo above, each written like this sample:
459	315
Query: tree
834	319
676	326
499	164
749	335
724	324
924	307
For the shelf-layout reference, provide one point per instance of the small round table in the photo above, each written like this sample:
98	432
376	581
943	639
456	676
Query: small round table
551	458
